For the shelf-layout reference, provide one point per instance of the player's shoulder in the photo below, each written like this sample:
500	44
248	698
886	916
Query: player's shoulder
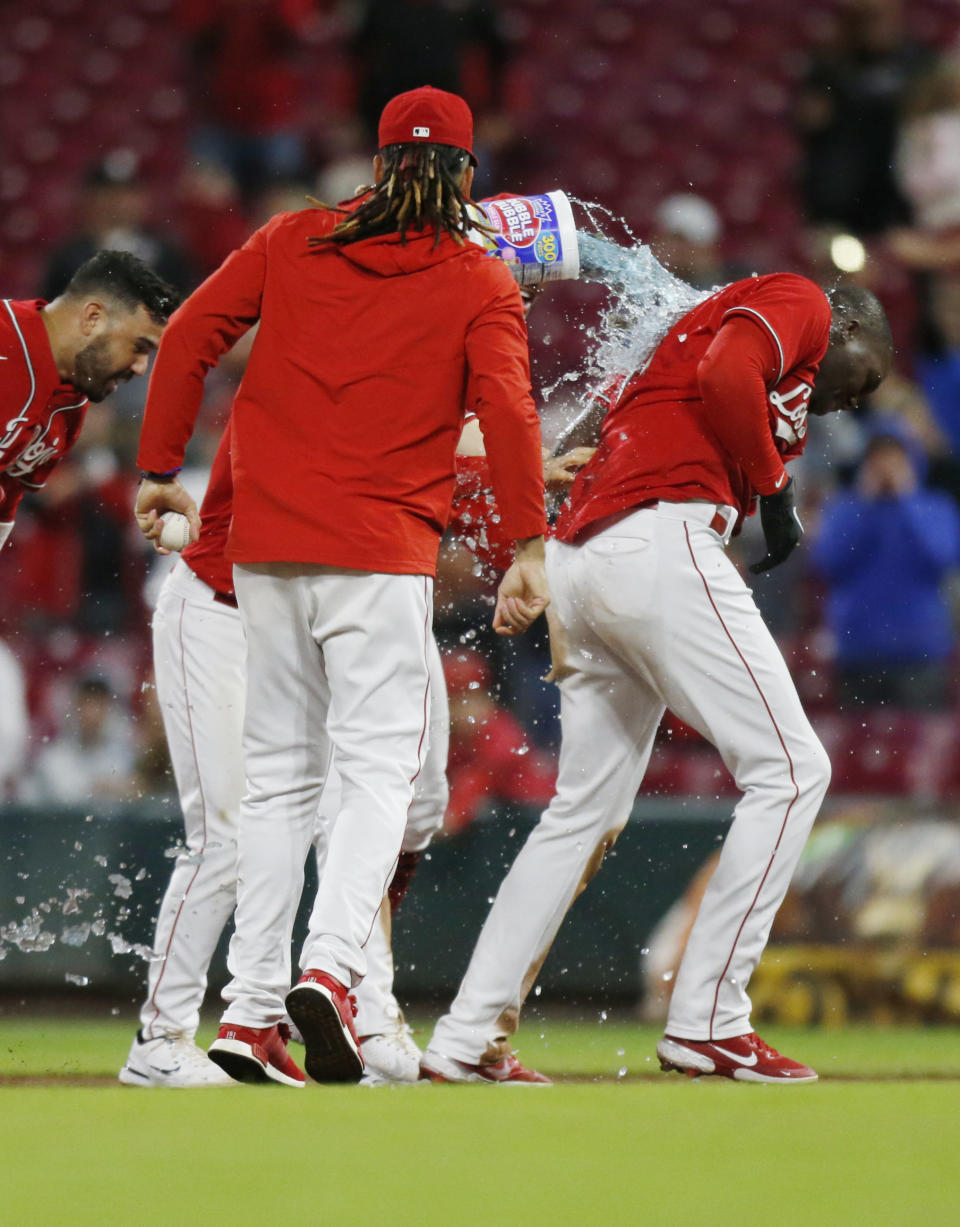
294	222
779	286
794	295
787	303
20	327
488	273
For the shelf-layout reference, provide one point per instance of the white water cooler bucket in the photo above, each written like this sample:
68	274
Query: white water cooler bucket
535	236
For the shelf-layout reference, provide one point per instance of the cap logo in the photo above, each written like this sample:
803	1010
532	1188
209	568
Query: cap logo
421	132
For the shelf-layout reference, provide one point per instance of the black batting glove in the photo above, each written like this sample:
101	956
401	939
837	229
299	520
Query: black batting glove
781	525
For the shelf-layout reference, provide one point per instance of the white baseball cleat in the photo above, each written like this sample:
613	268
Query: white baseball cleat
171	1060
435	1067
390	1056
745	1058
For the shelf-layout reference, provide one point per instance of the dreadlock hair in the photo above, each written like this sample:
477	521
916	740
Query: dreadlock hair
855	302
126	279
420	189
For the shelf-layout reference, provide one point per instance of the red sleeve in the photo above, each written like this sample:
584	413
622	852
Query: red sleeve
211	320
794	313
499	391
734	375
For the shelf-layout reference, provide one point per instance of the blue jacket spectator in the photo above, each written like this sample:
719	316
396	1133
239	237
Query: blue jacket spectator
885	548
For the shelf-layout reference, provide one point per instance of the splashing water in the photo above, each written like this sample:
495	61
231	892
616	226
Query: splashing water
40	930
646	300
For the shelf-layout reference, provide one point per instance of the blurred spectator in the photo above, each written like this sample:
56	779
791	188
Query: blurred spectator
211	215
685	238
939	370
928	156
848	112
341	178
14	720
490	756
885	548
456	45
92	758
246	76
113	212
77	559
928	166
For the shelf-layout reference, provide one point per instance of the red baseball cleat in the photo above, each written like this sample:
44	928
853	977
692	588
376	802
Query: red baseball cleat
256	1054
437	1068
323	1011
743	1057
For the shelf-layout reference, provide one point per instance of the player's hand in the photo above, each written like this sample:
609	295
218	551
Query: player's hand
523	594
529	294
559	649
156	497
781	525
561	471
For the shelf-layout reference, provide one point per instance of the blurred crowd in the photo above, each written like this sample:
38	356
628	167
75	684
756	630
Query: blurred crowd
866	150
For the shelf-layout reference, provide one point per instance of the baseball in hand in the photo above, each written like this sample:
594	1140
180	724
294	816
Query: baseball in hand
175	534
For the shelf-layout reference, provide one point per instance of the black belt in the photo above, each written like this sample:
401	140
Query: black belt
226	598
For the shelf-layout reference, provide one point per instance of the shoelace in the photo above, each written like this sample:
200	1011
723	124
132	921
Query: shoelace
761	1047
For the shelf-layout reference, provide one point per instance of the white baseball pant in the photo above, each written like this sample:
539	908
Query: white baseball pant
656	616
377	1007
346	651
198	656
199	662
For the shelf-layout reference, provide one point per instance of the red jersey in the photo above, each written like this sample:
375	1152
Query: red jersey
348	415
473	518
40	414
683	430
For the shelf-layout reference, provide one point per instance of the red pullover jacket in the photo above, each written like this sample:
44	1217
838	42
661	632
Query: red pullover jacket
346	422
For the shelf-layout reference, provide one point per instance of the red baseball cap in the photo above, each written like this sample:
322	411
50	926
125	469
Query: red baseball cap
427	114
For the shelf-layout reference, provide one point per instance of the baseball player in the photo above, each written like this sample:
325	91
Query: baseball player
377	321
199	651
57	357
655	616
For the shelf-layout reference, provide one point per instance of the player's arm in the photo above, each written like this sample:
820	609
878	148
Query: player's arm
559	471
734	376
200	331
499	384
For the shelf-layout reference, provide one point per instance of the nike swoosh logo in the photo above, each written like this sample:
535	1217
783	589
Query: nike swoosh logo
782	479
734	1056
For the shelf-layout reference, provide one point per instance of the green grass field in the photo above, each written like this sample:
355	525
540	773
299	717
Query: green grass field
874	1142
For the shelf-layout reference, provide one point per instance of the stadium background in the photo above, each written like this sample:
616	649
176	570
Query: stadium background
627	104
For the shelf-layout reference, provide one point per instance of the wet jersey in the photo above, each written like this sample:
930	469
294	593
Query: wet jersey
679	434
